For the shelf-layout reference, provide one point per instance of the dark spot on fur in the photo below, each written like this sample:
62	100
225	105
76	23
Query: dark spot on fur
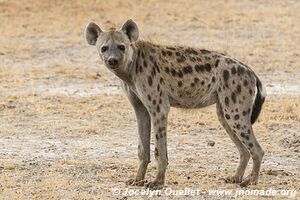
187	69
137	69
169	53
157	108
238	89
238	126
151	58
173	72
191	51
250	145
161	81
192	84
155	150
156	136
207	67
158	87
199	59
213	79
179	83
233	70
196	80
243	134
225	75
202	82
249	73
163	53
240	70
217	63
145	64
149	97
236	117
153	72
181	59
192	59
233	97
250	91
199	68
161	129
227	116
226	101
245	83
229	61
204	51
150	81
247	137
207	58
156	67
177	54
208	86
167	70
160	101
180	74
154	102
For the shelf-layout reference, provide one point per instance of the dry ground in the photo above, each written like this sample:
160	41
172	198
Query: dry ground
67	132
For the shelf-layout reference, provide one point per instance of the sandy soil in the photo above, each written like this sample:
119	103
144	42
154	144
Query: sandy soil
68	132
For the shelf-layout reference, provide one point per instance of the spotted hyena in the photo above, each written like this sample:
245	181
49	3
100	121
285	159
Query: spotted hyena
156	77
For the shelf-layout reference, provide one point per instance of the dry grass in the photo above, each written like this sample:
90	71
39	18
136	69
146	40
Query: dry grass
66	132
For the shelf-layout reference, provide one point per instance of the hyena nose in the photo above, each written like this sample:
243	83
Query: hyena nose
112	61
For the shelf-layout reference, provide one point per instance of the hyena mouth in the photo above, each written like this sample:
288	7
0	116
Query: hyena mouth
112	67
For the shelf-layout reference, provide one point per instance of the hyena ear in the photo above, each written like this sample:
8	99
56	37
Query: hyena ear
130	28
92	32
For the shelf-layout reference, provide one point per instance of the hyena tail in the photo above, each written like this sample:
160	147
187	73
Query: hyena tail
259	100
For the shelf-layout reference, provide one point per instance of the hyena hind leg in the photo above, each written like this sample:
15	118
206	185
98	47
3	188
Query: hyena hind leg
257	154
241	126
244	153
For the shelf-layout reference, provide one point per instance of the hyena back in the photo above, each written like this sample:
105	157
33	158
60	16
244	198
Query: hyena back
156	77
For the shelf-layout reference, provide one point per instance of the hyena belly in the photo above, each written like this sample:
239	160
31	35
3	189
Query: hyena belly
198	96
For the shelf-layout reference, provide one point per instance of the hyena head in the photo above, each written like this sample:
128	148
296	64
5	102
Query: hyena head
114	46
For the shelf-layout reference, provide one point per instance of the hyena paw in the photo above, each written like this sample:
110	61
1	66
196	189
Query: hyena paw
250	180
154	185
135	182
233	179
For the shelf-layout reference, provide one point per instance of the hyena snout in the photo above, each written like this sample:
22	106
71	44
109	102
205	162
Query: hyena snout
113	62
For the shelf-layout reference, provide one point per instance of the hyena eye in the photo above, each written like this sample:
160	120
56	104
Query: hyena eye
104	48
121	47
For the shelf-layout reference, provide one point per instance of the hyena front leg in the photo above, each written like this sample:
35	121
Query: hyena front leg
159	118
144	129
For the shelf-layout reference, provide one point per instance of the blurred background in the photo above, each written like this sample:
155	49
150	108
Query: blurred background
66	129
